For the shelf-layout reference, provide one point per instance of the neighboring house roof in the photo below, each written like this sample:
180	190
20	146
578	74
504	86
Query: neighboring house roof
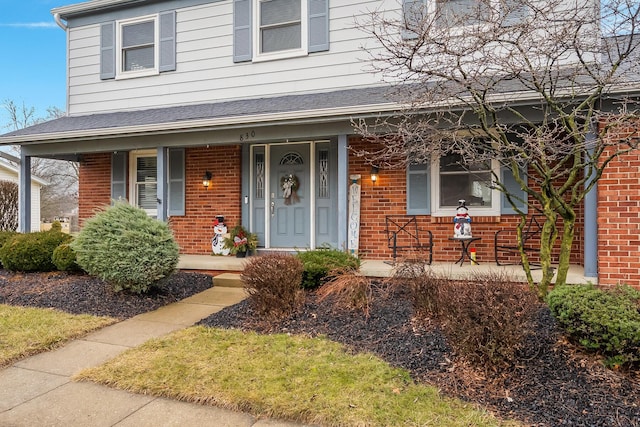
342	104
14	170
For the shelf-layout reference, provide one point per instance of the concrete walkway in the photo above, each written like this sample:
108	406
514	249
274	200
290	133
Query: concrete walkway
38	391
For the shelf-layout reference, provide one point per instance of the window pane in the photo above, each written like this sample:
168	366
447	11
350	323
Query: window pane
138	59
137	34
459	12
273	12
281	38
147	196
146	169
474	187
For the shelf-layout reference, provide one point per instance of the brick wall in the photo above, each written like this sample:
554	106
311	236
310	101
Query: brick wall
94	188
619	222
388	196
193	231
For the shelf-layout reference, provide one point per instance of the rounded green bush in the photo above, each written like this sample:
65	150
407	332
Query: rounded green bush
4	236
604	321
320	262
64	258
125	247
32	251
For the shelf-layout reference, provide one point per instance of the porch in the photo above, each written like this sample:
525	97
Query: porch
377	268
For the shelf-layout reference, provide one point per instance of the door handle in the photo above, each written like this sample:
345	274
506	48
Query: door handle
273	208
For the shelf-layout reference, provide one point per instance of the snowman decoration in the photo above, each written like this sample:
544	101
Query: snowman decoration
462	222
219	233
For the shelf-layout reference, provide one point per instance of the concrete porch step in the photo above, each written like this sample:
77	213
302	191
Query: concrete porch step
228	280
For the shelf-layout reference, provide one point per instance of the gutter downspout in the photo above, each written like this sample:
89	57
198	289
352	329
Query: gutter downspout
56	17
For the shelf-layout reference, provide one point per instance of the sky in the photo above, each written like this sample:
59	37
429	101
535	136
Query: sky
33	62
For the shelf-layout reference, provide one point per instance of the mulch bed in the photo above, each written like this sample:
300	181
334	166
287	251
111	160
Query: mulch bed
554	384
82	294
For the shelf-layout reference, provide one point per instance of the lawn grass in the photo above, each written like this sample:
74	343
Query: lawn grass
26	331
289	377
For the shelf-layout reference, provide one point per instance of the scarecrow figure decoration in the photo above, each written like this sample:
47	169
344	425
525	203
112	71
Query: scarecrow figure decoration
290	185
462	222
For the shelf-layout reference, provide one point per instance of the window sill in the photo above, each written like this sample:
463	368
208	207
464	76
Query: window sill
298	53
489	219
136	74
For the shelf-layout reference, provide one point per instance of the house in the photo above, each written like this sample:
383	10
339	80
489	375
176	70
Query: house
10	172
257	98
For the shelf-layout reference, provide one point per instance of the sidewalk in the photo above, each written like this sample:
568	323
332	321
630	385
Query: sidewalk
38	391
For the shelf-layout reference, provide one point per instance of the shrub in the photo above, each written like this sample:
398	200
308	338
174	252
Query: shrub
604	321
319	263
273	284
4	236
32	251
486	320
349	289
424	287
125	247
64	258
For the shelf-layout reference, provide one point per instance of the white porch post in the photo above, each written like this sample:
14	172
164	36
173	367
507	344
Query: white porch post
343	187
24	195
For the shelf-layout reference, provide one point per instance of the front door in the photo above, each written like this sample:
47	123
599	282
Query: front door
290	210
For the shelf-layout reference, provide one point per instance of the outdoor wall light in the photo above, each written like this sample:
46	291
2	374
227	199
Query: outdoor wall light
206	180
374	174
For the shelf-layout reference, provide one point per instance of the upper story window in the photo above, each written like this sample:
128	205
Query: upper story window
281	28
451	13
274	29
460	13
138	46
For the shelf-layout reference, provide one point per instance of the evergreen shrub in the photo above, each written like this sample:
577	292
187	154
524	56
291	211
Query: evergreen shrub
4	236
64	258
319	263
603	321
125	247
32	251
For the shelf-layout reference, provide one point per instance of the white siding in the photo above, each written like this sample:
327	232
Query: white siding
205	68
9	175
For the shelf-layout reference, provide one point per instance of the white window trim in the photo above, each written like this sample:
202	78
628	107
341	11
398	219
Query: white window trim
120	74
290	53
133	188
437	211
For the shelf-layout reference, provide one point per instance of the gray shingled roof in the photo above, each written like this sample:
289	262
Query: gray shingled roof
238	108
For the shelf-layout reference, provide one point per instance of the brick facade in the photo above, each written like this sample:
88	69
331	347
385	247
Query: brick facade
94	187
619	222
387	196
193	231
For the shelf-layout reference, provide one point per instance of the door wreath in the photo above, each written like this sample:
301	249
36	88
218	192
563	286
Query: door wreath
290	184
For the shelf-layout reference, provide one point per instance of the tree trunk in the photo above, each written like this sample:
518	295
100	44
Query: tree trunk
568	233
548	237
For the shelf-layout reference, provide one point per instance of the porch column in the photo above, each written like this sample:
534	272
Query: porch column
162	180
24	194
591	220
343	190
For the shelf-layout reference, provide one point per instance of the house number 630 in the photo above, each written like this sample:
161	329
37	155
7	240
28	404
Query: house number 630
247	135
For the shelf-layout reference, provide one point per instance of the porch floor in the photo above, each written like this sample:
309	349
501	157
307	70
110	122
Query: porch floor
378	268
